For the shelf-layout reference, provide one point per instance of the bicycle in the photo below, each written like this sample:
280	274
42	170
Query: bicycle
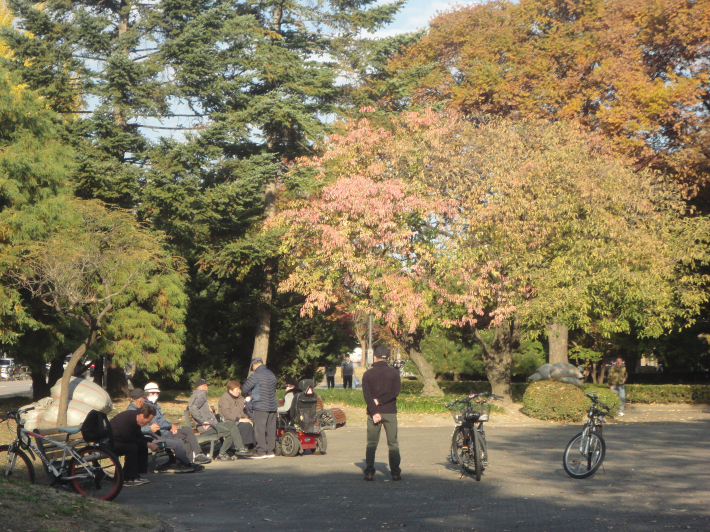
586	451
93	471
468	442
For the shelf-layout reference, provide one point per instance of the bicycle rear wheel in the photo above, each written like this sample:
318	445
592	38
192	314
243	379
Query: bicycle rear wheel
584	454
16	466
477	455
107	481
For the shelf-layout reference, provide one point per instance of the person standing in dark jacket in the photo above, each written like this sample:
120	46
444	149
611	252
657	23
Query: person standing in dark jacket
380	386
346	372
130	442
261	385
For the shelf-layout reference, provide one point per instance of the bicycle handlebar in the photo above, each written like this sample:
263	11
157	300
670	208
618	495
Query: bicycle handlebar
468	399
596	401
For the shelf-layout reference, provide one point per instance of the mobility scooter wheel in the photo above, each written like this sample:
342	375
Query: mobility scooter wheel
290	446
321	443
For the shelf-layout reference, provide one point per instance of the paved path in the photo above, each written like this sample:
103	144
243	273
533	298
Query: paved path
15	387
656	477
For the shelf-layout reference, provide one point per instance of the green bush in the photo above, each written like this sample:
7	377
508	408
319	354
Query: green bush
605	395
411	386
667	393
551	399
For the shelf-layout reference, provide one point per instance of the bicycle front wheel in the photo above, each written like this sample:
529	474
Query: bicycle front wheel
456	444
15	465
584	454
98	475
477	455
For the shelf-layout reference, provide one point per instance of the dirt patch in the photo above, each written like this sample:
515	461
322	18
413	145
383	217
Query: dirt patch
28	508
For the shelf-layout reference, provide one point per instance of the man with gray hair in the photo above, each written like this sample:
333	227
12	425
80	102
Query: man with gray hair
261	385
380	387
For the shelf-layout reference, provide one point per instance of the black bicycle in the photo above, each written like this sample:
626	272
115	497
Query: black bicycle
93	471
586	451
468	442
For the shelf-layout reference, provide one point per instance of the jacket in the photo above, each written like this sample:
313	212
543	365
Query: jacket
126	429
159	418
616	376
231	408
381	382
261	385
200	410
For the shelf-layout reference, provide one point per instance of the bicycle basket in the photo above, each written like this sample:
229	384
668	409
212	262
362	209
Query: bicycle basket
482	412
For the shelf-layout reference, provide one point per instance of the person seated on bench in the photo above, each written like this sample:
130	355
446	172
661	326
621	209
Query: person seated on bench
291	391
207	423
181	443
231	408
130	442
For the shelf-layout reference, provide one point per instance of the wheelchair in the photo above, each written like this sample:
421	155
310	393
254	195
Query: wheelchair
297	430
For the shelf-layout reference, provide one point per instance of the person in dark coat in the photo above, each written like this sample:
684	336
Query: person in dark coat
261	385
231	407
130	443
380	387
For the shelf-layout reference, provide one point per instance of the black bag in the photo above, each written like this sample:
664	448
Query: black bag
96	428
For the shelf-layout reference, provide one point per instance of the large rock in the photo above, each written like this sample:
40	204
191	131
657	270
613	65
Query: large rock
86	392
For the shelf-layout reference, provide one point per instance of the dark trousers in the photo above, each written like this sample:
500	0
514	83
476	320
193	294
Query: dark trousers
330	379
246	430
348	381
265	432
389	422
189	442
229	431
135	460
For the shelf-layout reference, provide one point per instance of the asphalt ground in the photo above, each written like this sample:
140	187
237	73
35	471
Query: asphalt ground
15	387
656	477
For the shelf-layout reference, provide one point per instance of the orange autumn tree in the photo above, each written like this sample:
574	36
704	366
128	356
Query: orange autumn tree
635	71
449	222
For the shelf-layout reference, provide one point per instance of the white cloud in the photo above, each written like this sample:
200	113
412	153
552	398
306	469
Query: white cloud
416	15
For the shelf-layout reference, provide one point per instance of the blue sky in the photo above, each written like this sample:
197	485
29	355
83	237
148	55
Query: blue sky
415	15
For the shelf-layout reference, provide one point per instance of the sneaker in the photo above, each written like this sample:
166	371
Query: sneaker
185	468
369	477
170	464
202	459
271	455
135	482
258	457
225	458
396	477
621	414
243	452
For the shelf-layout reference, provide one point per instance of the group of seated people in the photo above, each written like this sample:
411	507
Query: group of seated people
143	427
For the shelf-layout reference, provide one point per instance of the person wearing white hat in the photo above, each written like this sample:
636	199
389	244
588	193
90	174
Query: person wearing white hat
165	430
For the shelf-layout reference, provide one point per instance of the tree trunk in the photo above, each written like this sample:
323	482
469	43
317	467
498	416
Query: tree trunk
40	388
557	335
66	377
116	382
498	357
594	372
426	370
99	371
56	370
602	371
263	326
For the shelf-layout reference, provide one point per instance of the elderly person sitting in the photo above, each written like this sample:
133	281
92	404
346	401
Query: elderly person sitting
291	391
232	407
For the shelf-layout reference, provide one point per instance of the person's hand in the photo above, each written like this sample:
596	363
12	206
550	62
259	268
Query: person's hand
376	402
152	446
212	410
376	418
154	427
206	425
611	387
175	427
245	420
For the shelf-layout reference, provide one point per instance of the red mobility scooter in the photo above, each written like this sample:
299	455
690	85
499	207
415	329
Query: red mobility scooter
297	430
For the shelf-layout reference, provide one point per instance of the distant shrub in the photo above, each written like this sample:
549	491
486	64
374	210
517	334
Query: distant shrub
551	399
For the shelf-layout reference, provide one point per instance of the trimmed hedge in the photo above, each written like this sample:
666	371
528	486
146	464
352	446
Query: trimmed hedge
667	393
551	399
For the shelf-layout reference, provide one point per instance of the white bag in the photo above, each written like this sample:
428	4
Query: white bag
86	392
32	417
76	414
356	382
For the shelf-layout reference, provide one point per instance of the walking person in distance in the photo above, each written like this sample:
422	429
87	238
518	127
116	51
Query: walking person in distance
380	386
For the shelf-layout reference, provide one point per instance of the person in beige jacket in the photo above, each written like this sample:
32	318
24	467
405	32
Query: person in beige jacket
231	408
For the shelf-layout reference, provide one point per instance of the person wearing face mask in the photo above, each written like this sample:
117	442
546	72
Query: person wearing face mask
179	443
231	407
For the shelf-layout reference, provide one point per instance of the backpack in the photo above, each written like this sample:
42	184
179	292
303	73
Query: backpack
96	428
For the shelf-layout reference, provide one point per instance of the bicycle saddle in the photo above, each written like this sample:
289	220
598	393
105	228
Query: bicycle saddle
69	430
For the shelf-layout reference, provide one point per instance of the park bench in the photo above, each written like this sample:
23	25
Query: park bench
189	422
331	418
